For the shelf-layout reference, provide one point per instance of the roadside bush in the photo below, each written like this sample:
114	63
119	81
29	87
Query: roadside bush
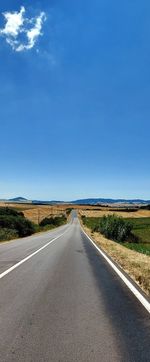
8	234
54	221
13	220
10	212
23	226
83	217
115	228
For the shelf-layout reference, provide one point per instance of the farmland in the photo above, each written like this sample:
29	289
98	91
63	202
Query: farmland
139	218
92	212
36	213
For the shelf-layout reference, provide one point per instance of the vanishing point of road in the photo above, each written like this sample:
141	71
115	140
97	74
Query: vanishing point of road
64	303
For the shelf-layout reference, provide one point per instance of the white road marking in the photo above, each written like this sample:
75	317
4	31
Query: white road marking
2	275
133	289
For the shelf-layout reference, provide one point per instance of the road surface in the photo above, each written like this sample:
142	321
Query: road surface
66	304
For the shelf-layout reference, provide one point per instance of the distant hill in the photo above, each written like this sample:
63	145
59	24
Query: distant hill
18	199
90	201
52	202
109	201
94	201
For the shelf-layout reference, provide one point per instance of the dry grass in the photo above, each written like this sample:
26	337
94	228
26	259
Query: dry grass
135	264
36	213
100	213
17	206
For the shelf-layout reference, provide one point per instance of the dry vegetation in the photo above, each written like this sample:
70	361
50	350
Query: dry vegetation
36	213
17	206
100	213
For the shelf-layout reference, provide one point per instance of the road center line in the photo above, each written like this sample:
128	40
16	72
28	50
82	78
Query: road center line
2	275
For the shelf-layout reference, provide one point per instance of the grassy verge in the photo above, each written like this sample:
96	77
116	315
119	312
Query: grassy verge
136	264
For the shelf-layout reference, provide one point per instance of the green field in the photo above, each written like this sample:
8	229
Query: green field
140	247
91	222
141	229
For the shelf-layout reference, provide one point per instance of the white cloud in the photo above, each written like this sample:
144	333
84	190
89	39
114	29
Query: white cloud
14	22
33	33
21	33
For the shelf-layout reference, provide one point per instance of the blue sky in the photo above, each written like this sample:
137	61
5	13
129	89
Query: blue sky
75	108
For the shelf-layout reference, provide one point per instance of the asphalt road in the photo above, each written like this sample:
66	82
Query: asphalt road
66	304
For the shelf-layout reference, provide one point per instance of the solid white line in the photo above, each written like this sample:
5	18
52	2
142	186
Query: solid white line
133	289
2	275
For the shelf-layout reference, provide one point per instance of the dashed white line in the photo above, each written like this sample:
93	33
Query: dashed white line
2	275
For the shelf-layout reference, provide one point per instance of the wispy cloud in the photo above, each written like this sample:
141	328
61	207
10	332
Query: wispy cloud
21	32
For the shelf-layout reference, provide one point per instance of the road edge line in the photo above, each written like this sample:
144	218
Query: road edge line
9	270
133	289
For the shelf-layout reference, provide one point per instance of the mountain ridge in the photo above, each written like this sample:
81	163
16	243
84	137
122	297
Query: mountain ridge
88	201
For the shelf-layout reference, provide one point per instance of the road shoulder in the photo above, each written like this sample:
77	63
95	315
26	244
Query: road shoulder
117	261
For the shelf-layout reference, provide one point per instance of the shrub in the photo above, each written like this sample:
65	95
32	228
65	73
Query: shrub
54	221
13	220
115	228
10	212
47	221
8	234
83	217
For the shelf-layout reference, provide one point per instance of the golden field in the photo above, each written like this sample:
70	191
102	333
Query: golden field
37	213
100	213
